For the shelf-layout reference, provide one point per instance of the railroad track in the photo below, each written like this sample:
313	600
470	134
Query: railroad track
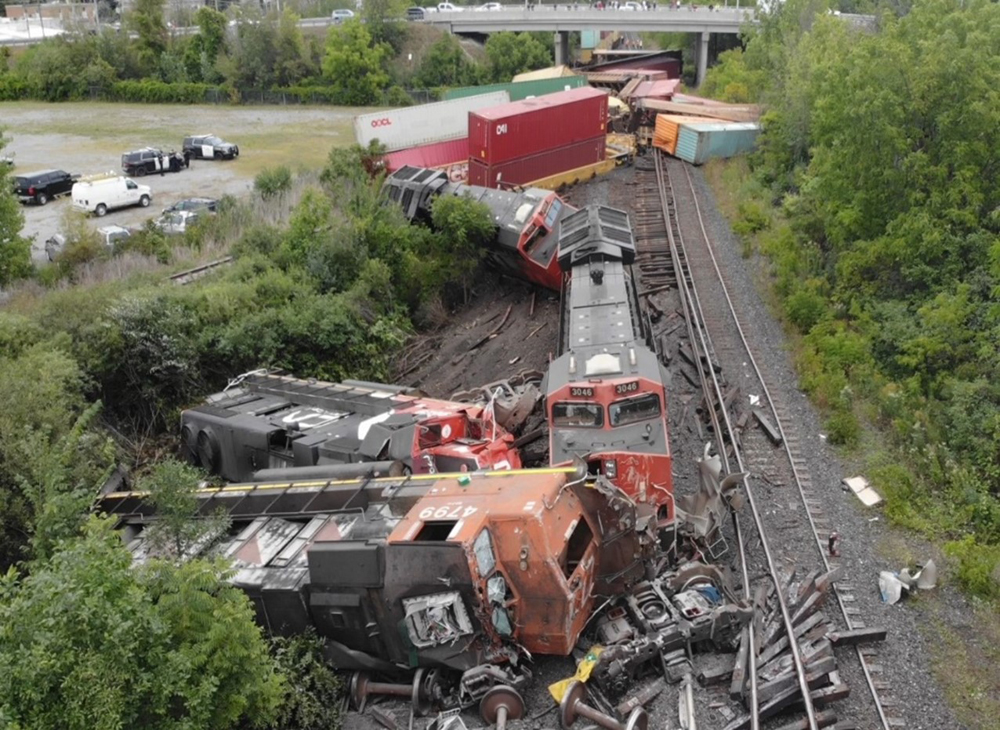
189	275
716	334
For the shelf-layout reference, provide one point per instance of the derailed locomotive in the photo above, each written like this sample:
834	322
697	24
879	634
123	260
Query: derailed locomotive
449	571
604	394
274	426
527	220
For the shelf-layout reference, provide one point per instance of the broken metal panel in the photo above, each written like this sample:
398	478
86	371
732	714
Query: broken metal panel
437	619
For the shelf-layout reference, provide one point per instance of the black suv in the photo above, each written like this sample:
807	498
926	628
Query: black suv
40	187
149	161
416	13
208	146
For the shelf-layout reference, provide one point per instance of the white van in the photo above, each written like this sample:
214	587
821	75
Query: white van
100	194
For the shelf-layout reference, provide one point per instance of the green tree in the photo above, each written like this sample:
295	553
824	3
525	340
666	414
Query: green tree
445	64
508	54
15	251
314	695
465	229
383	18
172	489
147	21
355	65
87	641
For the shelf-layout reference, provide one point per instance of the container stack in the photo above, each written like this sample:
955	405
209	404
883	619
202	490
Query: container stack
429	135
520	142
668	127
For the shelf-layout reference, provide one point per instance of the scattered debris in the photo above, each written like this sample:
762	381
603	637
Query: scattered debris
495	331
832	544
863	491
893	586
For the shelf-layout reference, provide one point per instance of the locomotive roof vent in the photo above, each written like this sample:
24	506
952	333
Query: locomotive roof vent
603	364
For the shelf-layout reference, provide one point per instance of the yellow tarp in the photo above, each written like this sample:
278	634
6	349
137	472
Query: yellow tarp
583	670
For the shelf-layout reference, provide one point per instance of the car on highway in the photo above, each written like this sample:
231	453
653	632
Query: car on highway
416	13
448	8
150	160
209	147
489	7
630	6
191	204
339	16
42	186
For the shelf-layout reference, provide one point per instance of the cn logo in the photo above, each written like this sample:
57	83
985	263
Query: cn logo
384	122
501	129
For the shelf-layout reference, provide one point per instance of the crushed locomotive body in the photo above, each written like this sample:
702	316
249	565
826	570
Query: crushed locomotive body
267	422
447	571
527	220
604	395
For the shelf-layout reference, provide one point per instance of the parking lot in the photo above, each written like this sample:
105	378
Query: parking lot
90	138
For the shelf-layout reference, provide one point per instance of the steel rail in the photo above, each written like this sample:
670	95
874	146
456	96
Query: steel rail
787	449
704	339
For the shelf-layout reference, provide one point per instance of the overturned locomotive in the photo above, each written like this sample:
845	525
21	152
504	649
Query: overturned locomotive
527	220
267	426
448	571
604	394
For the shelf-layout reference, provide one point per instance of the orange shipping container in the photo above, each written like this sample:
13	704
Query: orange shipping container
668	128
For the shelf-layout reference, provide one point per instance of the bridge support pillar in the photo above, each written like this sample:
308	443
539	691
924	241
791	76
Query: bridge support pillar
562	47
702	57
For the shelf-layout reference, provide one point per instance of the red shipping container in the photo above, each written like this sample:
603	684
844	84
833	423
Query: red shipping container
533	126
533	168
451	156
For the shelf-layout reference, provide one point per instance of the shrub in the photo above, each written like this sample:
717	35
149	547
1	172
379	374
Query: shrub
977	566
151	91
273	181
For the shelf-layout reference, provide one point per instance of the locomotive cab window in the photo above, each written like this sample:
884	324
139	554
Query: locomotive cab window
573	413
631	410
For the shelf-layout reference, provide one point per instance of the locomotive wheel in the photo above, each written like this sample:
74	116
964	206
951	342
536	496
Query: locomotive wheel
637	720
425	683
359	690
501	696
576	692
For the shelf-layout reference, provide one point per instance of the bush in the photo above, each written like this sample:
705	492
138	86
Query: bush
978	566
151	91
273	181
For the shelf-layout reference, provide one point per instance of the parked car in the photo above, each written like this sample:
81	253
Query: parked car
7	160
42	186
110	237
489	7
448	8
630	6
99	195
209	204
178	221
339	16
149	161
208	146
416	13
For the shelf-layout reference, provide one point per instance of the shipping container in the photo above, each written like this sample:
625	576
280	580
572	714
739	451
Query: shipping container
668	127
589	38
518	90
400	129
535	167
698	142
451	156
533	126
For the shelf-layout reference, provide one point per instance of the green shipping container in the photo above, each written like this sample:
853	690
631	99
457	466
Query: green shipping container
698	142
589	38
521	89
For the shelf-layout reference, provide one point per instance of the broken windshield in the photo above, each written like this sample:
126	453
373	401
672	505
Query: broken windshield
575	413
635	409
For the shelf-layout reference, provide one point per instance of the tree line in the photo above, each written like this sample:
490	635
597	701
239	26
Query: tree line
875	194
356	64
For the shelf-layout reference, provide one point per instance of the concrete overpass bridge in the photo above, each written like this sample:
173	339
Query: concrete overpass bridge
561	20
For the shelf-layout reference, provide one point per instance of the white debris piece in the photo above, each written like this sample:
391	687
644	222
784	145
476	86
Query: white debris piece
863	491
890	586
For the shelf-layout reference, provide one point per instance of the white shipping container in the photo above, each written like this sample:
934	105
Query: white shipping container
400	129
